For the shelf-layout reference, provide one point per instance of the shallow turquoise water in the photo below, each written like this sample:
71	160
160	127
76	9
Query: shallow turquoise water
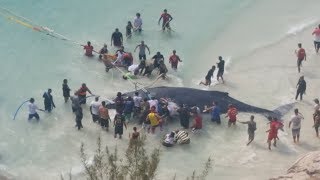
33	62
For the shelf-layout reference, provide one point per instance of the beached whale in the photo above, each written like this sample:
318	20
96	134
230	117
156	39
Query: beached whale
201	98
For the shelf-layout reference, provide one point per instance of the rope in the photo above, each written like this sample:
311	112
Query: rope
28	23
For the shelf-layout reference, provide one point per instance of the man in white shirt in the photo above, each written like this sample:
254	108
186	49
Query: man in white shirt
137	23
137	104
33	110
94	109
296	125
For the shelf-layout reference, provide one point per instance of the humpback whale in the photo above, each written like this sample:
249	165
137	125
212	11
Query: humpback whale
200	98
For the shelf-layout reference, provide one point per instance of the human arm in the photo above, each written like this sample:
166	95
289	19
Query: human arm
53	102
111	39
290	123
159	20
148	49
121	38
136	48
179	59
89	90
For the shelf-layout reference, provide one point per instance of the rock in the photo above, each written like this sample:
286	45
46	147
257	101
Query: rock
307	167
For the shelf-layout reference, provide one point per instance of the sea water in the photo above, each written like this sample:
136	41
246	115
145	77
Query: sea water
257	38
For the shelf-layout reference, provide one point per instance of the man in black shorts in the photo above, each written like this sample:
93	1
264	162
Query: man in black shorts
119	122
220	65
117	38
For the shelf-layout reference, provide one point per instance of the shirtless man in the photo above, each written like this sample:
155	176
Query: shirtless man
142	50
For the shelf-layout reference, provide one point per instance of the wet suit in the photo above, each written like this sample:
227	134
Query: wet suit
302	85
48	102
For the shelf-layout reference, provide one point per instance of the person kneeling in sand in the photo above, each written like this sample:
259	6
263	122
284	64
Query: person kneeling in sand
181	137
168	140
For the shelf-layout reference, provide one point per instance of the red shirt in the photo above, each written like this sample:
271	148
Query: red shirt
83	91
232	114
198	121
165	17
316	32
174	59
88	49
301	53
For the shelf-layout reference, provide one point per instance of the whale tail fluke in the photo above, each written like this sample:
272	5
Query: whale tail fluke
282	110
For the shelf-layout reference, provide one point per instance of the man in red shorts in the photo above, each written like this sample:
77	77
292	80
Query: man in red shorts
174	60
166	20
273	132
232	114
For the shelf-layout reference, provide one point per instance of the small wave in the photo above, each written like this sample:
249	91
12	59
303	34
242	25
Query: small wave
294	30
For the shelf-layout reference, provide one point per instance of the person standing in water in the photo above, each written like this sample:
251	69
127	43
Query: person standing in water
135	135
154	119
272	132
174	60
48	101
104	116
118	123
33	110
137	23
88	48
129	27
142	51
215	112
75	102
316	120
117	38
197	121
156	59
301	55
94	109
220	65
82	93
128	108
252	127
166	18
316	34
119	102
296	125
208	77
137	104
66	90
301	88
232	114
79	116
103	50
184	116
317	104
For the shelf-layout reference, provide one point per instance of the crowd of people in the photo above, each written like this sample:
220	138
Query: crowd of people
153	113
123	58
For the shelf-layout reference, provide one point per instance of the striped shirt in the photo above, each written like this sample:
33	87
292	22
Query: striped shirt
182	137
